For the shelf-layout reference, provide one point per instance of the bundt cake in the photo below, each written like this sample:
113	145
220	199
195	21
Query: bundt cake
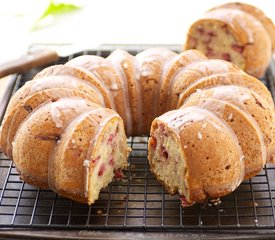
213	125
235	32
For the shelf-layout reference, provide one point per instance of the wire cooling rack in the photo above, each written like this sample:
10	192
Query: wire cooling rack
138	201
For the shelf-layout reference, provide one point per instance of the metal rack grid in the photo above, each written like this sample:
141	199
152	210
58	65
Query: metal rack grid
137	201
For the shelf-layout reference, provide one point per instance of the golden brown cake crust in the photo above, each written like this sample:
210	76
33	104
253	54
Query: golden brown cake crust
66	164
249	101
37	136
249	134
208	173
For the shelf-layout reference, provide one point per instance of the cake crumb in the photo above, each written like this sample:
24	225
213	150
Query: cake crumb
114	87
99	212
86	163
230	116
216	201
125	65
198	90
185	146
199	136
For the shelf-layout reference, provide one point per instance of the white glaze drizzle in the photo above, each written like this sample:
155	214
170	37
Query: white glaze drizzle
53	82
66	104
231	93
198	69
63	82
170	57
137	73
223	81
115	59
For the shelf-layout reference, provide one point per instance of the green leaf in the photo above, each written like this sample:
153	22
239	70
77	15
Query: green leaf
58	8
53	9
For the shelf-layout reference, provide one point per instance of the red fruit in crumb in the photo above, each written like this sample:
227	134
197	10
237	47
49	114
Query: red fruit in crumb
211	34
111	162
226	57
225	28
193	42
209	49
207	39
200	29
238	48
165	154
111	138
209	52
184	202
161	127
119	174
117	129
101	170
163	151
95	159
153	142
